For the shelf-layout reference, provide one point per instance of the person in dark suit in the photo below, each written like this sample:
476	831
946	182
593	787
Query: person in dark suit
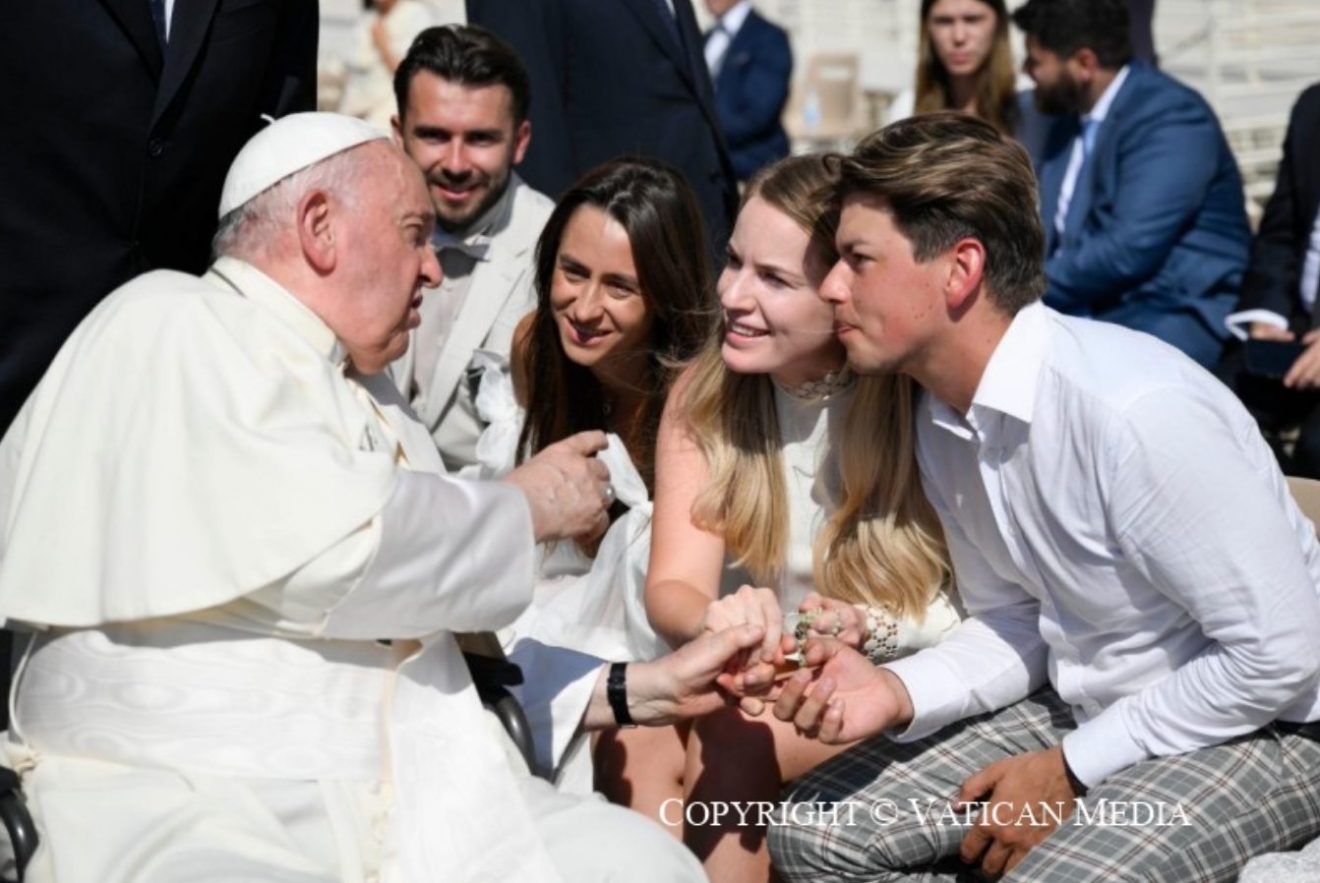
617	78
124	119
751	63
1279	296
1142	201
1142	14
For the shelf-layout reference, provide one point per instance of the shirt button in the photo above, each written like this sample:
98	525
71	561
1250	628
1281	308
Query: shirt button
155	147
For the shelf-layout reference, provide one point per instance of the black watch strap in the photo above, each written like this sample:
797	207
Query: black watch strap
616	691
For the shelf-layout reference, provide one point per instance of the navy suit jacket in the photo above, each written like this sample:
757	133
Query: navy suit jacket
1274	280
118	148
609	78
751	90
1157	222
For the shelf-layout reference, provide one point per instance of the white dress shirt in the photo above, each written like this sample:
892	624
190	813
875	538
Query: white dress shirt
726	28
1240	323
1082	146
1117	526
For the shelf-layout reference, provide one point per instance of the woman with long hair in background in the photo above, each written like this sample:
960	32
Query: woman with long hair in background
964	62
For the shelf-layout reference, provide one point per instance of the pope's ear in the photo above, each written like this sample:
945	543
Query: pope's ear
315	232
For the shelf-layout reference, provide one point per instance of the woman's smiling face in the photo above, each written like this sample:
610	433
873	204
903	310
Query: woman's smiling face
602	315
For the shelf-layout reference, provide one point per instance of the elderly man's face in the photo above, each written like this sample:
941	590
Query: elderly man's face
388	259
466	142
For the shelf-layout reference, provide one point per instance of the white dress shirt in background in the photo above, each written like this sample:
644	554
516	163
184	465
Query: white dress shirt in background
725	29
1240	323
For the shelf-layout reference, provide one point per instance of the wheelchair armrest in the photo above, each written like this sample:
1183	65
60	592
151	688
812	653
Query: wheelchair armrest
17	822
492	678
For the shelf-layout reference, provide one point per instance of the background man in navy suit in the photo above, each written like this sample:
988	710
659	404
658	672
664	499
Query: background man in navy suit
1142	201
615	78
126	115
752	65
1280	293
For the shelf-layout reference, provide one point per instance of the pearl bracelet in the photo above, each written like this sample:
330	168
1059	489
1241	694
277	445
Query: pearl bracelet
881	644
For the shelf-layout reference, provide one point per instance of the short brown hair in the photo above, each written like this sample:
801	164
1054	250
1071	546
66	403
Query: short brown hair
949	176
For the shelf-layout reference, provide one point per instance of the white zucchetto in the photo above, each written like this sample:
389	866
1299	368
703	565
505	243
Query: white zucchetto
290	144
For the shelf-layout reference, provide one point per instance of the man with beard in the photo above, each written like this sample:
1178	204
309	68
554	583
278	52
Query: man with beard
1142	201
463	98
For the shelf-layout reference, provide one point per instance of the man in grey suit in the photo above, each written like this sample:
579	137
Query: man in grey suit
463	96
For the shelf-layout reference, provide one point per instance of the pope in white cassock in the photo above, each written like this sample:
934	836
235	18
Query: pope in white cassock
241	570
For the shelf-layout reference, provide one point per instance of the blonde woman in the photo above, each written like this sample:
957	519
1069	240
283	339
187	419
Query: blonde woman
778	470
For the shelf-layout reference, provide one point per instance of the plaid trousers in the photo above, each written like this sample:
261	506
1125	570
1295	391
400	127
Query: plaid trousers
880	812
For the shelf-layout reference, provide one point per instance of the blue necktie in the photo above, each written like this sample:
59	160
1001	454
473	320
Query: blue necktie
1089	129
158	16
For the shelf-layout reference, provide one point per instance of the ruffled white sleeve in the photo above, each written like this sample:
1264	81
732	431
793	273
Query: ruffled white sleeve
497	407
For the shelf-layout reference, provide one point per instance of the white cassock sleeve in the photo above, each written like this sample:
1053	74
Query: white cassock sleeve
442	555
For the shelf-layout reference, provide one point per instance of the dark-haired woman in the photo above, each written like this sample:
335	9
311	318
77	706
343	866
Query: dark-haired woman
623	298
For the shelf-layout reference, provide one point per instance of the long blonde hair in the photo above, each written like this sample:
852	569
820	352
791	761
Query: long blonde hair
882	545
996	86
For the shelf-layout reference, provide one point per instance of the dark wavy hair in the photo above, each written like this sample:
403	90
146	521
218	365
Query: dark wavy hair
468	56
1066	26
658	210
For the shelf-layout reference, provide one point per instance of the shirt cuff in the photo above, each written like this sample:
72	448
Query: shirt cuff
939	696
1239	324
1101	747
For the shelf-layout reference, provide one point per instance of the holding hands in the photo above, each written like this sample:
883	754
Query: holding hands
749	606
829	618
840	696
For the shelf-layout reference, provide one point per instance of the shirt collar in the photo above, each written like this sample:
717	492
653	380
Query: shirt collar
732	21
1101	109
1008	385
475	240
268	294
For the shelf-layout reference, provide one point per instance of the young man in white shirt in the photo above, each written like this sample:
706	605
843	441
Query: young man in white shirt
1135	690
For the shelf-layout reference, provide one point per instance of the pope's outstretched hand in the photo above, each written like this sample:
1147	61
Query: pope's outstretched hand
692	681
